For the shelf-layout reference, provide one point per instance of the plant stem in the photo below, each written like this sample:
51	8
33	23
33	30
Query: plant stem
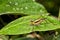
59	14
2	21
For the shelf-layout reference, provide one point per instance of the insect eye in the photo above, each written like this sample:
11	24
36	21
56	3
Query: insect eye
32	21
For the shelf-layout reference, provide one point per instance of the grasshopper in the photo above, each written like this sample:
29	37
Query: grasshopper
37	22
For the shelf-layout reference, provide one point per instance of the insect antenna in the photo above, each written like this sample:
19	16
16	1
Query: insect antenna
47	19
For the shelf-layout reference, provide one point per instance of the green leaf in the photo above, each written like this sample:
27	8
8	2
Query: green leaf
23	25
28	7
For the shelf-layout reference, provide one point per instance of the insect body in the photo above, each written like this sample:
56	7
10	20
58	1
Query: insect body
37	22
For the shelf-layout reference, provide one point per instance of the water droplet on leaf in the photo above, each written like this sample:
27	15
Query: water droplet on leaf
21	8
10	2
17	8
14	8
26	7
33	0
41	11
16	3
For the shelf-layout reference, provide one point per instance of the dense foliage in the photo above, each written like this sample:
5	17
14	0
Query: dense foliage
28	20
